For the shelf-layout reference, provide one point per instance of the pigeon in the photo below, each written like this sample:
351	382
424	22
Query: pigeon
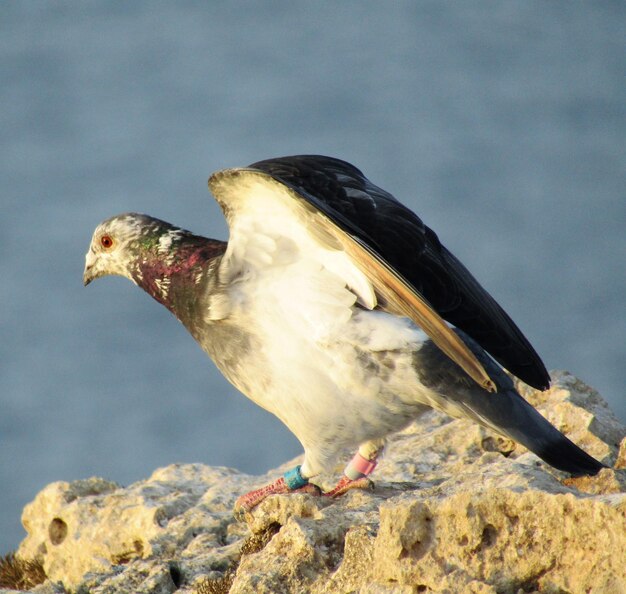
335	308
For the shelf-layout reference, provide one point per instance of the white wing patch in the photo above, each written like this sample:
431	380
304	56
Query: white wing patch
276	252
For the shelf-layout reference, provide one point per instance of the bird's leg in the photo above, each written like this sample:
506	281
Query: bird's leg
291	482
356	473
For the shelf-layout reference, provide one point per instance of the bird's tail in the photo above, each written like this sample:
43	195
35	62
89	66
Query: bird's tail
507	413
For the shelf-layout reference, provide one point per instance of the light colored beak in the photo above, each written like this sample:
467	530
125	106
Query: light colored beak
89	273
87	278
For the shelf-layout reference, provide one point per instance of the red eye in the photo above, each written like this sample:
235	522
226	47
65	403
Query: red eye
106	241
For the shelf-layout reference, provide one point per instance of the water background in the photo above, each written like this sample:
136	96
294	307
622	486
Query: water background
501	124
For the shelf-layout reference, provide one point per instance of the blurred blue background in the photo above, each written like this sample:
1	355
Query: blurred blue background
501	124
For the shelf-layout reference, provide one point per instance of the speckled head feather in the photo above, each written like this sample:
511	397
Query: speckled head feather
162	259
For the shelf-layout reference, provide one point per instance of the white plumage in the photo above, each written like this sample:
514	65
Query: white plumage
310	307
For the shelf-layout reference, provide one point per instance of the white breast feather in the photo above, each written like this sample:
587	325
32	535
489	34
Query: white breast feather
287	280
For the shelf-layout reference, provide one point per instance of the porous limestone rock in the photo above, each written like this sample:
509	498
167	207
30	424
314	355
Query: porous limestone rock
455	509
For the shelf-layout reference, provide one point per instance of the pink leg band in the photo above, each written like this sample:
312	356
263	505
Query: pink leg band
359	466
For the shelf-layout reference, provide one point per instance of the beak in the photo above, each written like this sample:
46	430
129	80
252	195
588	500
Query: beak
87	277
90	272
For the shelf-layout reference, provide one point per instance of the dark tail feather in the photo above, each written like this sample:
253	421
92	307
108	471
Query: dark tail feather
533	431
507	411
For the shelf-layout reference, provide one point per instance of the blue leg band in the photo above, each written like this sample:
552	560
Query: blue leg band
294	480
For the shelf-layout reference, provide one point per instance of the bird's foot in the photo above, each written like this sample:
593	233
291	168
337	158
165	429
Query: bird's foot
357	471
346	484
291	482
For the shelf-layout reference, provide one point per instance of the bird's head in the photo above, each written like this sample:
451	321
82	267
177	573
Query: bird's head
117	243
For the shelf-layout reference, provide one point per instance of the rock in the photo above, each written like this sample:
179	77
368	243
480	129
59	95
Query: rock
455	509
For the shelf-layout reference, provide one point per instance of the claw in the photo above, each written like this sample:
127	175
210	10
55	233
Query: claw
346	484
247	502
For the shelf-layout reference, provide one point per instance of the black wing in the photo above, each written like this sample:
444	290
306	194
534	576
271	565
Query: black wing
401	239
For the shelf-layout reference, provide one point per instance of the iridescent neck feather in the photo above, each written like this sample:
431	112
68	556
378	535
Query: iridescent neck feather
171	263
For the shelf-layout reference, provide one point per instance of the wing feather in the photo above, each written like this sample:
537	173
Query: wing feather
414	251
251	198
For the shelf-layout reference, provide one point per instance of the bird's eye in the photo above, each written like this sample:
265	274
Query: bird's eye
106	241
